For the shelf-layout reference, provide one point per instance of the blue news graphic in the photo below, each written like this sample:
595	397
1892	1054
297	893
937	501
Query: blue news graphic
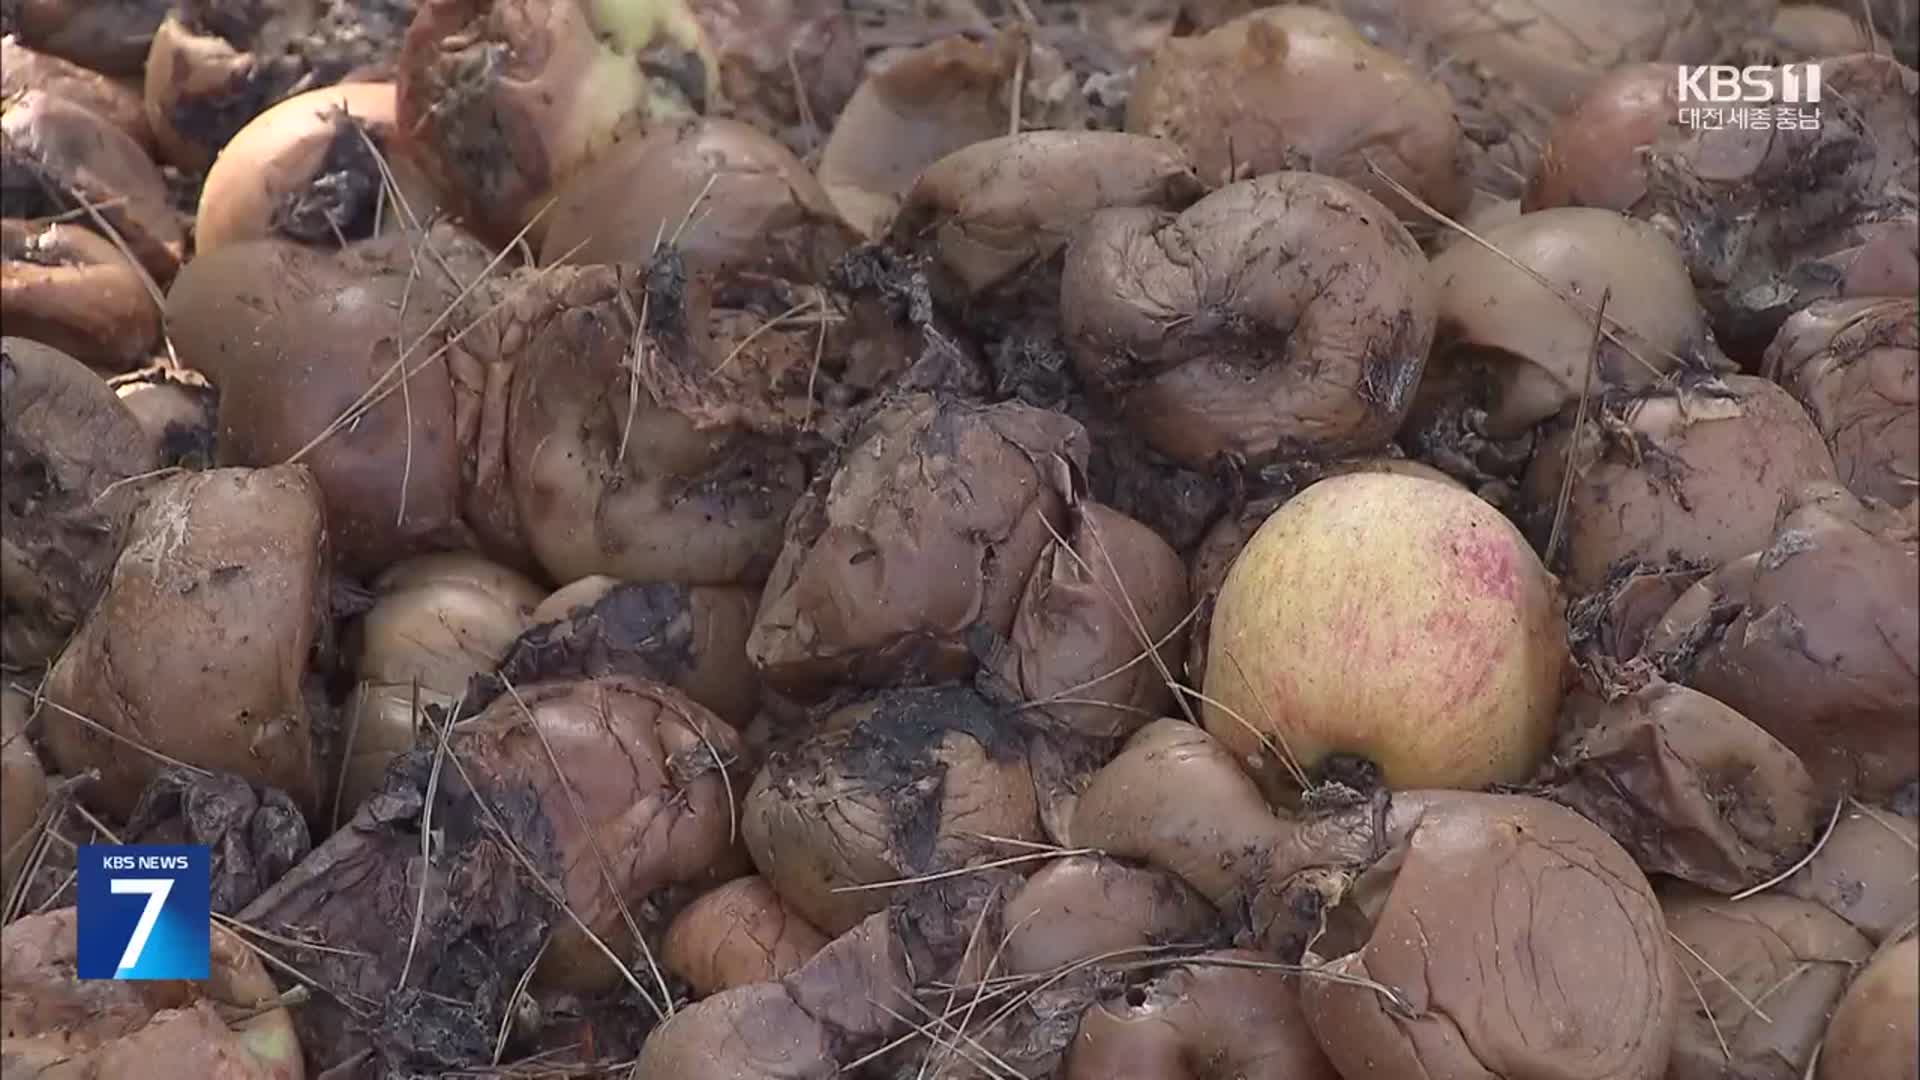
144	911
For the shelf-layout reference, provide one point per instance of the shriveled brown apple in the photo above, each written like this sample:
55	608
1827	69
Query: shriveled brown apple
1241	327
1518	321
214	65
234	1025
504	100
69	287
62	159
1295	87
918	105
335	356
198	648
1699	471
73	459
322	167
903	783
1855	365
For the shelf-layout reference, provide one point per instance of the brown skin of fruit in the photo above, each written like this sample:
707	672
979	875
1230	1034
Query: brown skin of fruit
1691	788
1096	600
692	638
177	407
898	785
108	38
1086	906
1555	49
1875	1032
215	65
717	191
1503	121
1595	154
228	1027
1803	32
787	67
1822	651
994	215
1292	87
1208	1020
752	1032
1553	962
292	336
1608	628
930	525
1515	318
826	1012
22	68
1701	473
504	100
1864	872
23	785
682	471
1771	221
1174	318
62	157
68	453
1692	619
436	622
199	646
1855	365
1897	22
916	106
191	1041
69	287
1351	878
641	821
300	171
181	66
737	935
1176	798
638	757
1797	954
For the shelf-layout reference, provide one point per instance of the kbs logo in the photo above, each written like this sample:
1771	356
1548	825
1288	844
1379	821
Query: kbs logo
1758	98
144	912
1719	84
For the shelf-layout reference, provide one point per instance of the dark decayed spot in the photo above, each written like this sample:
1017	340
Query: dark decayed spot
212	119
343	199
255	837
27	192
642	630
1351	771
893	752
483	921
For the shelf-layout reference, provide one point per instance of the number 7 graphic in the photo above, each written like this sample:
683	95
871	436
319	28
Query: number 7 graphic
156	890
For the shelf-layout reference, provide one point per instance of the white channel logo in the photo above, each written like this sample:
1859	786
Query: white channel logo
1754	98
1721	84
156	891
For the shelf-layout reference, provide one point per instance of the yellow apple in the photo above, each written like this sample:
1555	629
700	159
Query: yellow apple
1395	619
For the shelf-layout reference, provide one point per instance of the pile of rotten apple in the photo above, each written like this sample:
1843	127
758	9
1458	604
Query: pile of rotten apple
682	539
